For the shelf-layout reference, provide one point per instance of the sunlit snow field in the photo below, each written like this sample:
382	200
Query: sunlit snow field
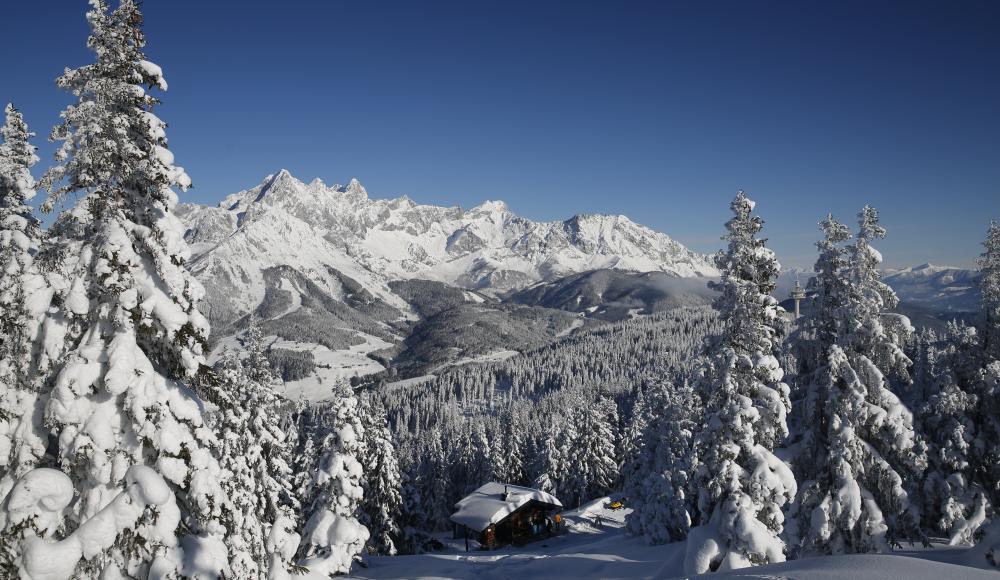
607	552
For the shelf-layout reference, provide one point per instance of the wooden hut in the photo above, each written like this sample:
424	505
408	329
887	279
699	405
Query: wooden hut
499	514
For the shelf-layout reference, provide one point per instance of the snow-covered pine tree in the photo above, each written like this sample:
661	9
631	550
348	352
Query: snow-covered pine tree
496	456
553	465
924	351
633	450
988	460
989	266
381	509
508	449
469	464
986	448
256	455
437	488
952	501
22	438
657	478
413	520
593	460
332	537
302	422
741	485
859	436
128	322
22	441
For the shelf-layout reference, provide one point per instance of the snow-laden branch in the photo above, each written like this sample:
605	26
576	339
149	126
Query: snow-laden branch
43	494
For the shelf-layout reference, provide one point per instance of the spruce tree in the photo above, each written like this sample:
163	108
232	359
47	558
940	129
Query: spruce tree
658	475
742	486
632	444
381	509
989	267
859	441
302	422
952	500
508	448
437	489
593	468
256	454
22	295
554	463
986	449
131	329
333	537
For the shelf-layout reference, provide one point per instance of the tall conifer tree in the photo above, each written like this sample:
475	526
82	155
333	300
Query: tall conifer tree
859	440
333	537
132	332
381	509
21	438
741	485
256	454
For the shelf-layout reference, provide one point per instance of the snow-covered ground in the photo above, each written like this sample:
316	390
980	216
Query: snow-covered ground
578	323
331	365
607	552
407	383
495	356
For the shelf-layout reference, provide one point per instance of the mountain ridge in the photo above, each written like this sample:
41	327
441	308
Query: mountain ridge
312	227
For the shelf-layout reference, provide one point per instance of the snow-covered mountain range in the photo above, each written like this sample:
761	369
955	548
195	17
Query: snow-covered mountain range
329	233
942	287
348	285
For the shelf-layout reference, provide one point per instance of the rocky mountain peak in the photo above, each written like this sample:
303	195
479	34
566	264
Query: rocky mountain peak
354	188
312	228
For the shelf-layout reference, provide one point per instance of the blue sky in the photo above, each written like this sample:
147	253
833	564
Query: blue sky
658	110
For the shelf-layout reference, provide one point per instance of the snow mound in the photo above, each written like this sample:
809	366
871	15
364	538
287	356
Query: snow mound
860	567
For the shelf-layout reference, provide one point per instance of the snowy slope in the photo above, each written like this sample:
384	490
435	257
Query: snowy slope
312	228
944	287
614	295
606	552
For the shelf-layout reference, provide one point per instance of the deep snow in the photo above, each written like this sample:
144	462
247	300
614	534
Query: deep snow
607	552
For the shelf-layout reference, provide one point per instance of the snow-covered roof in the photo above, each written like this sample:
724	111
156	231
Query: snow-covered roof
493	502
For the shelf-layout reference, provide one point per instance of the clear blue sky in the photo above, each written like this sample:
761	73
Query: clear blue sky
659	110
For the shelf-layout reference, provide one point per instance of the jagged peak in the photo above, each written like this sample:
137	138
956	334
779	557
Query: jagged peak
283	180
491	206
581	218
402	201
274	180
354	187
348	210
281	175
